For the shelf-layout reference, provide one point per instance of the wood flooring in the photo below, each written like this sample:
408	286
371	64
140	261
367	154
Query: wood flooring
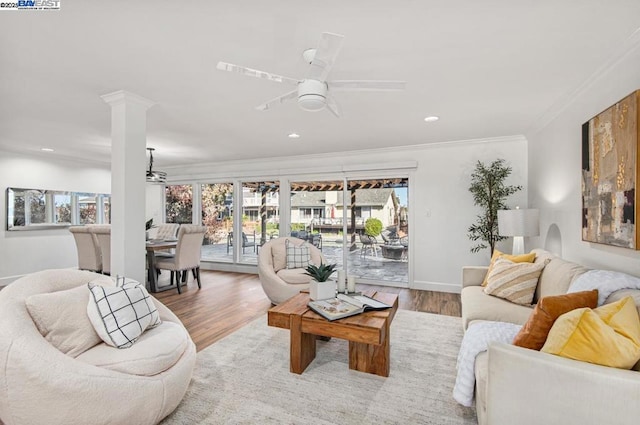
228	301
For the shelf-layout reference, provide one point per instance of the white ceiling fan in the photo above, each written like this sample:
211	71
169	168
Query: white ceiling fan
314	92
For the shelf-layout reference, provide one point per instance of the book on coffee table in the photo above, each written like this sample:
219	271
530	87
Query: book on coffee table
345	306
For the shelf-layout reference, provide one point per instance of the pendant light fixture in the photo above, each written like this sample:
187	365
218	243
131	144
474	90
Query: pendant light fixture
155	176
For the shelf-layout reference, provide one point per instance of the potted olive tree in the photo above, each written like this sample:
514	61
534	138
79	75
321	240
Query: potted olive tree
489	193
321	287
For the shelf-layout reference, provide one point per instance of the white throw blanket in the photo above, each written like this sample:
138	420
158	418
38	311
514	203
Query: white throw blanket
605	281
476	340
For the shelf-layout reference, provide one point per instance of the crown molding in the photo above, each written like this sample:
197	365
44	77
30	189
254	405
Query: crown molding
55	156
353	153
624	49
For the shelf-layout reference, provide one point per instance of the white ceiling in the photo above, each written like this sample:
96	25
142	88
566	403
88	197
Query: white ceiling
487	68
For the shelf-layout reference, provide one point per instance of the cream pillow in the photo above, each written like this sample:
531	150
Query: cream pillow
523	258
61	317
515	282
121	314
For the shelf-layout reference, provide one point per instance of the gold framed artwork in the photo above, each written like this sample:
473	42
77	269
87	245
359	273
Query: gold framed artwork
610	175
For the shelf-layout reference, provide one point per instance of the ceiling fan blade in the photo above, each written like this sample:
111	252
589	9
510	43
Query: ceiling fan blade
333	107
278	100
223	66
326	53
366	85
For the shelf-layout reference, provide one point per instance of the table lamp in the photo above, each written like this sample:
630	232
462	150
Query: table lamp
518	223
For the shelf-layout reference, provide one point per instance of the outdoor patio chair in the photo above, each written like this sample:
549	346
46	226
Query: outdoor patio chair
369	243
245	242
404	241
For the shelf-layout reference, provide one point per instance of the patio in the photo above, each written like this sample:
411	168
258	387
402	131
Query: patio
370	267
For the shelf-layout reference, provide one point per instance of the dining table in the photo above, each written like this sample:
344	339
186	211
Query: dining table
154	245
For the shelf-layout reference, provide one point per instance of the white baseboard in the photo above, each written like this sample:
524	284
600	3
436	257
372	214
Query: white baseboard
229	267
383	283
436	286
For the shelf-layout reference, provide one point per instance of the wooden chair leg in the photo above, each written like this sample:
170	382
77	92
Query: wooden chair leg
178	282
193	272
197	273
184	275
171	277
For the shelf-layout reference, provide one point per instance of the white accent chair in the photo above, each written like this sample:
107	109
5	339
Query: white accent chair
278	282
188	252
41	385
103	236
89	256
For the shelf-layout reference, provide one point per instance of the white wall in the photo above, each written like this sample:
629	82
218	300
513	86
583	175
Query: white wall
154	204
440	205
555	168
24	252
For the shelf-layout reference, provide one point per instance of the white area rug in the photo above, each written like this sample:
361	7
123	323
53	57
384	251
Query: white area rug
245	379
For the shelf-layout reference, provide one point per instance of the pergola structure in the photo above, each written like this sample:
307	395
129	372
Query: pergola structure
265	187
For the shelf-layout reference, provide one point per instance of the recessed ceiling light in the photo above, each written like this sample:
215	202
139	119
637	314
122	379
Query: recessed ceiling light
294	136
46	150
432	118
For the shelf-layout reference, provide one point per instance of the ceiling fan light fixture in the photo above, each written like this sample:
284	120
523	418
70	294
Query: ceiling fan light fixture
158	177
313	91
312	95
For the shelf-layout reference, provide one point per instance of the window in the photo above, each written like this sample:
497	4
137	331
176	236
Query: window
179	204
217	216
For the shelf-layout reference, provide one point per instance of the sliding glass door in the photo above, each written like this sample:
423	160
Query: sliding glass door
360	225
217	207
260	218
378	233
315	217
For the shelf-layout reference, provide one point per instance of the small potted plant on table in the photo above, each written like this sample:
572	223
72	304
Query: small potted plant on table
321	287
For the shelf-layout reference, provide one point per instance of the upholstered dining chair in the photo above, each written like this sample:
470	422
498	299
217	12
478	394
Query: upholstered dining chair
103	236
89	256
190	237
167	231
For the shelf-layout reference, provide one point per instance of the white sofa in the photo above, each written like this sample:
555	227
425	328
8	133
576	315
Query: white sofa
41	385
515	385
278	282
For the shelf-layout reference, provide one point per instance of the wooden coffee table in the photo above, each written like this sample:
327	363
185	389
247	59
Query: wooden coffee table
367	333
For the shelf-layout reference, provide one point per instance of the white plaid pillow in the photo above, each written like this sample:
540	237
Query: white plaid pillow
121	314
297	256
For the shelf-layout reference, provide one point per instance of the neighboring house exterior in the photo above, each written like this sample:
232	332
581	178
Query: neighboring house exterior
252	200
326	208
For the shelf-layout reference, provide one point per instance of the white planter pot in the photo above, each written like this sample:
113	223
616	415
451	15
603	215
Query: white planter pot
322	290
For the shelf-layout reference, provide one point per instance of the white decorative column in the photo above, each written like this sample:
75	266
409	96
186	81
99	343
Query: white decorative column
128	183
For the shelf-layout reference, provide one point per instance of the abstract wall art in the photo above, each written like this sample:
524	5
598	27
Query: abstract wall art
610	175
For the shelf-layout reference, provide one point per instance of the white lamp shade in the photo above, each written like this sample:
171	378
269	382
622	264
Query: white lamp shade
518	222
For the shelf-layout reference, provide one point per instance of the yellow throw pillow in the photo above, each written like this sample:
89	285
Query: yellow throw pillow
524	258
607	336
515	282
